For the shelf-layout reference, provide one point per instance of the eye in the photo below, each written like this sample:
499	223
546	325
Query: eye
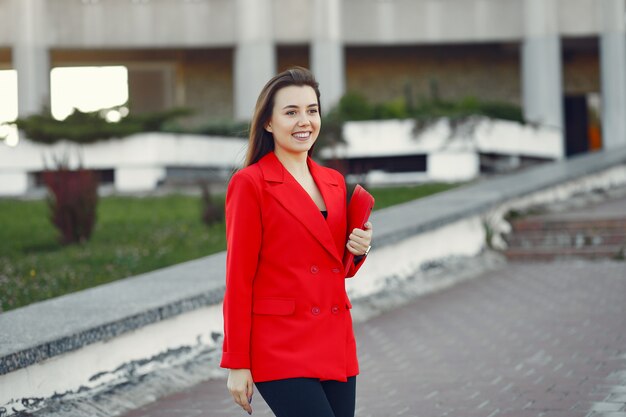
290	113
313	111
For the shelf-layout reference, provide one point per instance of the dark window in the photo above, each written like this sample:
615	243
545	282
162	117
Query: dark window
406	163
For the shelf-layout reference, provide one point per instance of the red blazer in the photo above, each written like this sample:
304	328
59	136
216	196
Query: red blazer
286	312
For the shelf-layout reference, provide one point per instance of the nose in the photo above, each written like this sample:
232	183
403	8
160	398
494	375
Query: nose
303	120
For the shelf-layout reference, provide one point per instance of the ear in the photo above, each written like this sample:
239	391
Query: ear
268	127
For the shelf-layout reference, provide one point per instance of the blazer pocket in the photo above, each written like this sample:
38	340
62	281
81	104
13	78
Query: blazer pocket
274	306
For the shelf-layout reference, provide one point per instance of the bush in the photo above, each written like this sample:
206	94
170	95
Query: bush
467	107
504	111
227	128
89	127
72	201
461	113
395	109
354	106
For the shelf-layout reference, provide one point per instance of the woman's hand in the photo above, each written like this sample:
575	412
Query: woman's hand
359	240
241	387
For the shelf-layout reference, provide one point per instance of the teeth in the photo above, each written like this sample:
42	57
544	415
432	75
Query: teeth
302	135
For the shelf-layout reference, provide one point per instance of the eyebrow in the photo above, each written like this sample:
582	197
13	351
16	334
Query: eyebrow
293	106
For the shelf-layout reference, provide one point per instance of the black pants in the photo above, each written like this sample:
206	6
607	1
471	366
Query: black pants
309	397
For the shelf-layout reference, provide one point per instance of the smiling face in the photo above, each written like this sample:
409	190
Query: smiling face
295	122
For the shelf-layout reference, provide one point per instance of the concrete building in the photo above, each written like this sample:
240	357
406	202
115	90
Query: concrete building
550	56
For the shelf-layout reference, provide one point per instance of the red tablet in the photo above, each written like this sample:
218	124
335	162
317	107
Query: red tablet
359	210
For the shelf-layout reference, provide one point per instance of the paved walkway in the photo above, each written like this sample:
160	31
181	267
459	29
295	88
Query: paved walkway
529	340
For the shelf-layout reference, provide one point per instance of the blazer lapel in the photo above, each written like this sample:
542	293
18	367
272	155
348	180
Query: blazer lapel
335	205
290	194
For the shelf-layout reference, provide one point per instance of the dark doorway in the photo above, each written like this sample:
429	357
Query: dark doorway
576	125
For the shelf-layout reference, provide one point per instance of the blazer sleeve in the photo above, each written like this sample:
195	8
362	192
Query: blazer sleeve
243	241
355	266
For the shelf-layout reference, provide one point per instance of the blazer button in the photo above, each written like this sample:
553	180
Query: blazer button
336	270
314	269
335	309
315	311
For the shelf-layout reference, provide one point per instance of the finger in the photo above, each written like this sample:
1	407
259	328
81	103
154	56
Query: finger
237	395
353	251
356	241
250	391
356	248
366	227
361	241
362	233
244	403
354	245
358	233
236	398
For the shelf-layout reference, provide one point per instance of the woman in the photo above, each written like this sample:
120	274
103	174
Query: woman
287	324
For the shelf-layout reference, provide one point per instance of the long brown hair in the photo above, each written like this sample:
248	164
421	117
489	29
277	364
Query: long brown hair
260	141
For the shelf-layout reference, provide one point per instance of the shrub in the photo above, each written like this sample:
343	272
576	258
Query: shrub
463	113
227	128
89	127
72	199
395	109
354	106
467	107
504	111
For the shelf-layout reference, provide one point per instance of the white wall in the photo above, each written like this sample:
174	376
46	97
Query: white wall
139	161
451	156
453	166
511	138
397	137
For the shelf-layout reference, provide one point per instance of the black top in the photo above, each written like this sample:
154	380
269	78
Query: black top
324	213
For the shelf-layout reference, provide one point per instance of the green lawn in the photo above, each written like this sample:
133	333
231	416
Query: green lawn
386	197
132	235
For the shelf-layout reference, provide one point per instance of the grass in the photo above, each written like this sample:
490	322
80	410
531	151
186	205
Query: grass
132	236
386	197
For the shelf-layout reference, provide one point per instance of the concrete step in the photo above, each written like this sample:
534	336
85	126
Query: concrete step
550	254
570	235
566	238
585	225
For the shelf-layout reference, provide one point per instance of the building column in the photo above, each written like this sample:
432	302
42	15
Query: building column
327	55
613	73
31	57
542	84
255	54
